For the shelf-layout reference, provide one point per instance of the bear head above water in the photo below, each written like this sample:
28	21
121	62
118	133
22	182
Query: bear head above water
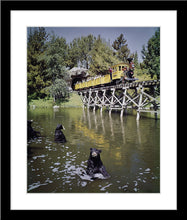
59	127
95	154
95	165
59	136
31	133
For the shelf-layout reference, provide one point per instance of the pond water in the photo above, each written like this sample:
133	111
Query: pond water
130	152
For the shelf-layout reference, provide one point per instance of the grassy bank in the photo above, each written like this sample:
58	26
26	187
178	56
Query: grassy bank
73	102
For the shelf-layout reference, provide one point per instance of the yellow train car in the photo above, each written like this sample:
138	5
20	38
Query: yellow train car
117	75
106	79
118	70
89	83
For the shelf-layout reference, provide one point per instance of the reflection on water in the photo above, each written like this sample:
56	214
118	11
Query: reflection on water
130	152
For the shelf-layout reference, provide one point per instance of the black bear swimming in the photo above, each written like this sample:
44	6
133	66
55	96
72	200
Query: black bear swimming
31	133
95	165
59	136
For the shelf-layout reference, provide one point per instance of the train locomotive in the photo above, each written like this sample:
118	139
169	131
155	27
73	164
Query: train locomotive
119	73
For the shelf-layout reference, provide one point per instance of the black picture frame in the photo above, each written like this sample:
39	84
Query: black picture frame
6	8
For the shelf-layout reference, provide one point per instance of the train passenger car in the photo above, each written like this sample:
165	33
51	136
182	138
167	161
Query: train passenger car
119	73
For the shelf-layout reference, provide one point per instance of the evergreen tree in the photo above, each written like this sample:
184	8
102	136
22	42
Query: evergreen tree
135	58
85	45
35	74
151	55
121	48
136	63
55	57
73	54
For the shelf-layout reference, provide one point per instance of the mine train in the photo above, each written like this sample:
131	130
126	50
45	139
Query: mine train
120	73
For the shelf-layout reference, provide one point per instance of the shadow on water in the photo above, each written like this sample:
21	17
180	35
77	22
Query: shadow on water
130	152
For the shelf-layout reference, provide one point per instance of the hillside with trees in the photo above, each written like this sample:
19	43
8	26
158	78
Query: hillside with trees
49	59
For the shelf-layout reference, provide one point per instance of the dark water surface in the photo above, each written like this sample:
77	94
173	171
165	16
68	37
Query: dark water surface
130	152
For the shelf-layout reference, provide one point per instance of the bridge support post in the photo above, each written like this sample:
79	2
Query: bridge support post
83	100
140	102
89	98
138	116
154	103
124	104
112	100
96	99
110	110
121	114
103	100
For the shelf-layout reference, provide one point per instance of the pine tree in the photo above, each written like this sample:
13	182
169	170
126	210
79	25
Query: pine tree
73	54
151	55
136	63
121	48
35	74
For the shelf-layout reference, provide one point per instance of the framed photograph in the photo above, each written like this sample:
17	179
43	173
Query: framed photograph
80	140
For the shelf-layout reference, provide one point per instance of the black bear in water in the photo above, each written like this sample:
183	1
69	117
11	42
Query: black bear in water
59	136
95	165
31	133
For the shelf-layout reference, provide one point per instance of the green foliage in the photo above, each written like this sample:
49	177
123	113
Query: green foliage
121	48
35	74
54	57
73	54
151	55
91	53
79	52
59	90
135	56
102	57
85	45
46	62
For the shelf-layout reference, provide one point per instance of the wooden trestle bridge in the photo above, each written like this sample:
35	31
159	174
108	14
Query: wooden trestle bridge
142	96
